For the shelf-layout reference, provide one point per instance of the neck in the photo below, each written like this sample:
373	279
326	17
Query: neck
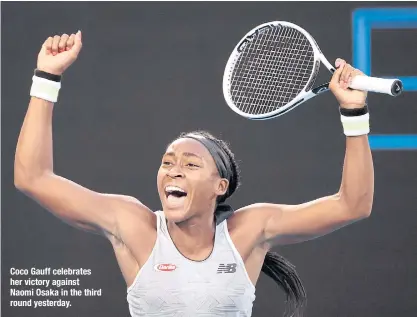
194	237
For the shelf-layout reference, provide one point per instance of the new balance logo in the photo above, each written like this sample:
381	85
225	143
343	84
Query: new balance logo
227	268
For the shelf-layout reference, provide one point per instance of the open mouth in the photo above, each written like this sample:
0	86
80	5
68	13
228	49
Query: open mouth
175	192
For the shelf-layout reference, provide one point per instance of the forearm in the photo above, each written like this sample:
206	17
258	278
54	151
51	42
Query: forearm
357	187
34	153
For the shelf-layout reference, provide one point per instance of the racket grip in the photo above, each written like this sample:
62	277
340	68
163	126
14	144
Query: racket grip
392	87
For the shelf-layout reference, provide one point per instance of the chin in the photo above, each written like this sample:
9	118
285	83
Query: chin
175	215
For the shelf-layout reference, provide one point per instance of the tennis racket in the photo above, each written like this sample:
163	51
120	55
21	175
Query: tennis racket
273	69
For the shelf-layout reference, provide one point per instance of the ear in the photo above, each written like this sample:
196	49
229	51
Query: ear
221	187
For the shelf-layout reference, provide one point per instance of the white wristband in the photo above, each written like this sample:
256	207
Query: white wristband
45	89
355	125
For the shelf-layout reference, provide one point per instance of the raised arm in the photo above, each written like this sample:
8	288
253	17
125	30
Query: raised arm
286	224
33	168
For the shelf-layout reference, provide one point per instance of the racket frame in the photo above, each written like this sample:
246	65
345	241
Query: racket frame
305	94
308	92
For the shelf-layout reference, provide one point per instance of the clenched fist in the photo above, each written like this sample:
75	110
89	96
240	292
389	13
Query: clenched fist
59	52
339	85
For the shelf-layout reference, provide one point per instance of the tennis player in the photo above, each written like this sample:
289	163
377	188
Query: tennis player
195	257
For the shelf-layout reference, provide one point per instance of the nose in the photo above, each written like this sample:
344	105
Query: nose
175	172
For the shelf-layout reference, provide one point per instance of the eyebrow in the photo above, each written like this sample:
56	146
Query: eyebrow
188	154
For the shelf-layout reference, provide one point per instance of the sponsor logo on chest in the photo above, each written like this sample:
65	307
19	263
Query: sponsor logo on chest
165	267
227	268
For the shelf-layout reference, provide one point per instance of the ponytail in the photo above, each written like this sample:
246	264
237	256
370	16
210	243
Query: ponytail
284	274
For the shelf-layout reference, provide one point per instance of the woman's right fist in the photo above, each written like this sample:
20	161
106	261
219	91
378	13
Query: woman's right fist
59	52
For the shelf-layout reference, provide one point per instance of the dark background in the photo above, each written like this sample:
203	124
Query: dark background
149	71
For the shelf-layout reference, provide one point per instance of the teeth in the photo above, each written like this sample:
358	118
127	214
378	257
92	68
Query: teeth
171	189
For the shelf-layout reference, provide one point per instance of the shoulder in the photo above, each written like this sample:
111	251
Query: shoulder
253	217
247	227
133	215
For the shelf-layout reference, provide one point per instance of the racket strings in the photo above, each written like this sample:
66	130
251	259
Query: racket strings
258	72
298	73
281	70
271	70
286	51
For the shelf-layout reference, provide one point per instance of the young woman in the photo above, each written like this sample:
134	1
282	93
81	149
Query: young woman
195	257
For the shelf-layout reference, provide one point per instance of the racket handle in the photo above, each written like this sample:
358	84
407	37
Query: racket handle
392	87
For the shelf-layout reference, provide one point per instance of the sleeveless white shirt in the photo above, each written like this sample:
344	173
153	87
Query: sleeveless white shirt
171	285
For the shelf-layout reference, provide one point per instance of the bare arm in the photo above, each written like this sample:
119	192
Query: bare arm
286	224
33	168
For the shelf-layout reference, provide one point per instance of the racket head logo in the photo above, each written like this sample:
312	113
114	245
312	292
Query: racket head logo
165	267
242	45
249	38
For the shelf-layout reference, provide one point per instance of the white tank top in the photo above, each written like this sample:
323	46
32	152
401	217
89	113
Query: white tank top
169	284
